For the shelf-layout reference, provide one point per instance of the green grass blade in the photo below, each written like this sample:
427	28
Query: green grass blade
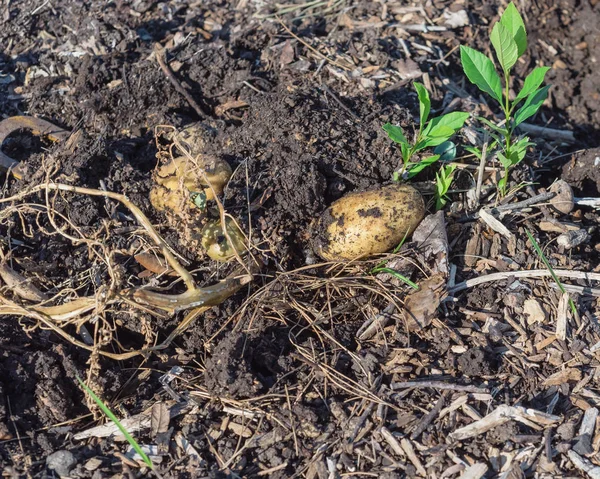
397	275
114	419
542	256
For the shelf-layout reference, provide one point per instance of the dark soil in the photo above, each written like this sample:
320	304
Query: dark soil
280	382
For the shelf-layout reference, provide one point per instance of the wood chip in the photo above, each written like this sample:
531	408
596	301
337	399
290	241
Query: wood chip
561	317
494	224
588	424
476	471
392	441
410	452
501	415
534	312
584	465
159	418
562	377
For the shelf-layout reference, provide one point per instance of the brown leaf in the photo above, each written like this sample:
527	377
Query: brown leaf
287	54
421	306
154	264
160	418
230	105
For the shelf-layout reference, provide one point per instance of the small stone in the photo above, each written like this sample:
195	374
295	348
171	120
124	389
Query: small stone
563	202
572	238
61	462
566	431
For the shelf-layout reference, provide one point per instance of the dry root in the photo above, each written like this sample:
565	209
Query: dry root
90	310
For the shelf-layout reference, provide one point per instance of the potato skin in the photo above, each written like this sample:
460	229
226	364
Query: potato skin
369	222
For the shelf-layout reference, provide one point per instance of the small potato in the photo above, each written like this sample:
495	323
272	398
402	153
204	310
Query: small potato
215	242
181	177
192	138
370	222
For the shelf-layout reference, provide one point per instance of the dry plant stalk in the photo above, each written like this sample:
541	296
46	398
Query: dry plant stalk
195	299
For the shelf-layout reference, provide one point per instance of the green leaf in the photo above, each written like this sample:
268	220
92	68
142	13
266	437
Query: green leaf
506	163
474	150
405	150
532	105
395	133
480	71
418	167
114	419
493	126
512	21
424	103
454	120
519	150
502	184
438	135
505	46
532	83
542	256
442	184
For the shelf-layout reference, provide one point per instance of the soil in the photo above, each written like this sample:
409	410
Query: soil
277	379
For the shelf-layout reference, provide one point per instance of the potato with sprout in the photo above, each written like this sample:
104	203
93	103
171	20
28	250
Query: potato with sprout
181	178
370	222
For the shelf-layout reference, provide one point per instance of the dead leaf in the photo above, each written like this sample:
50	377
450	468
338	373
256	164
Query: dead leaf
154	264
432	242
456	19
230	105
160	418
421	306
534	311
287	54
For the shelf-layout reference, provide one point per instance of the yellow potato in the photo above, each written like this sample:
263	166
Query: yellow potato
215	242
370	222
180	177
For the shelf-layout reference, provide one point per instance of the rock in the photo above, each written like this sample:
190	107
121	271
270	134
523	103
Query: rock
61	462
572	238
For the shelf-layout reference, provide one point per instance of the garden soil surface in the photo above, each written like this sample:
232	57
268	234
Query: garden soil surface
279	380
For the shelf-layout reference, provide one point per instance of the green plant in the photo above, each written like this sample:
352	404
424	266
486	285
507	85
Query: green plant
509	40
443	180
432	132
542	256
114	419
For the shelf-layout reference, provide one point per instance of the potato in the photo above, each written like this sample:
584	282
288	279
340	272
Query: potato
192	138
181	177
215	242
370	222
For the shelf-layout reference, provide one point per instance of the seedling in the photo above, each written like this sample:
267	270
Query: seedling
509	40
114	419
542	256
443	180
432	132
